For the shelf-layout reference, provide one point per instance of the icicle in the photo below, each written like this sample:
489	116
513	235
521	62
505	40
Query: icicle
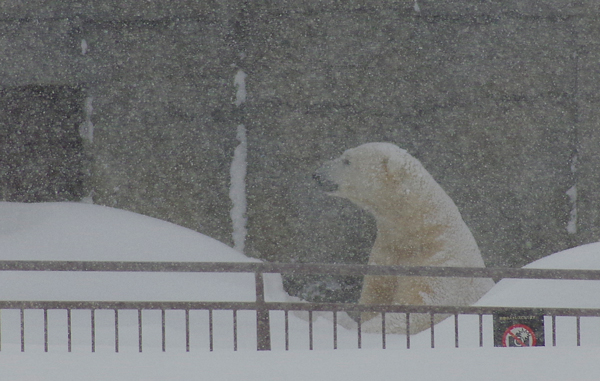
237	190
416	7
240	83
86	129
572	224
572	193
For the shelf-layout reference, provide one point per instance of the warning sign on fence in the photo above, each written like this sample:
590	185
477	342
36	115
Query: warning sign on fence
518	329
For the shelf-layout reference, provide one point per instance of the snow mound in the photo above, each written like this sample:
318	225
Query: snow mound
536	293
552	293
77	232
84	232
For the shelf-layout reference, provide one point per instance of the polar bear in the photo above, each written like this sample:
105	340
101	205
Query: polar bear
417	225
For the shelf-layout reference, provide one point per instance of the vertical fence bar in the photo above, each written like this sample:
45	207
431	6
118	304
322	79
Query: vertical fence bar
578	331
163	330
140	330
187	330
334	329
407	330
210	330
116	330
263	326
359	331
310	330
0	330
432	330
383	330
553	330
45	330
481	330
93	316
69	331
287	329
235	338
455	330
22	330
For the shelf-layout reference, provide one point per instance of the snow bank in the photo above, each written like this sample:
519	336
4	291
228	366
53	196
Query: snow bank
424	365
76	231
552	293
536	293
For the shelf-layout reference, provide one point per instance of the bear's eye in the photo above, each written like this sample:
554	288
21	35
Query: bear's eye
345	161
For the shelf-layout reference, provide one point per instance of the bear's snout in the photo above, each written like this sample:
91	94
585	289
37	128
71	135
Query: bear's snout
324	182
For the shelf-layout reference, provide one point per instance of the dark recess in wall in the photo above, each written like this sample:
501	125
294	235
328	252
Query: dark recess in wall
41	151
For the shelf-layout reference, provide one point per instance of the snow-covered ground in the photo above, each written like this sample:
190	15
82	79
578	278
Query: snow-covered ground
72	231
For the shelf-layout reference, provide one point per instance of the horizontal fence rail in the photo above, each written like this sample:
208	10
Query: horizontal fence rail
301	268
287	306
262	308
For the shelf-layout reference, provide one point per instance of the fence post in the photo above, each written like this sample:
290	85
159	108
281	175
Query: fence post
263	326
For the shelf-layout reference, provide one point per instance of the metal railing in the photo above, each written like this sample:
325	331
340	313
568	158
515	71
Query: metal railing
262	307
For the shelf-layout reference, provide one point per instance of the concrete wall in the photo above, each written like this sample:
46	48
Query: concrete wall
498	100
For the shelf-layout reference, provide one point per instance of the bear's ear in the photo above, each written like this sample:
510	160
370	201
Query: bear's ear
385	164
391	170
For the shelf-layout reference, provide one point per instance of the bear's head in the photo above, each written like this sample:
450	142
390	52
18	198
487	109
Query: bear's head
367	174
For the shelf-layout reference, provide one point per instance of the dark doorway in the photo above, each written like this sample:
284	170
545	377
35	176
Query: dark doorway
41	150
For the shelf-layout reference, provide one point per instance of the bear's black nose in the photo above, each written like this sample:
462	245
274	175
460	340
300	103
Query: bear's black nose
324	183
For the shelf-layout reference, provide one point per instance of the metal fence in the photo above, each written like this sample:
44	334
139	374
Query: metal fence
262	307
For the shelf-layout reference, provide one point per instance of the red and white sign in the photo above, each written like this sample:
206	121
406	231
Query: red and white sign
519	335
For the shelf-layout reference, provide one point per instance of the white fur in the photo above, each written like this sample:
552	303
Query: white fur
417	225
